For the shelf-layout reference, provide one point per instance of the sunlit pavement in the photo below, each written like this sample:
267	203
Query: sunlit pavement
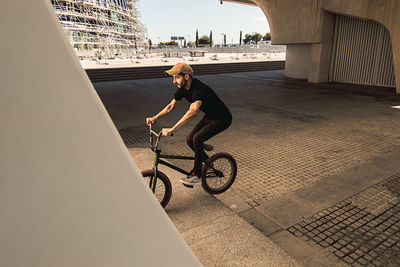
318	164
209	58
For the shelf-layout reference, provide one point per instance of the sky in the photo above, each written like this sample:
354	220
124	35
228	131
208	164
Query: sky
166	18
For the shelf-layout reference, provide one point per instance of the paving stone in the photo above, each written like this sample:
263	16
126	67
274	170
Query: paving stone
354	256
348	259
362	261
339	253
337	245
345	250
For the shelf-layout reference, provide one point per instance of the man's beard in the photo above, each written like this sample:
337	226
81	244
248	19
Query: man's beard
181	85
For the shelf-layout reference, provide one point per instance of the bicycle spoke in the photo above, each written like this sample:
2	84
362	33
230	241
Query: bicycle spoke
160	189
219	173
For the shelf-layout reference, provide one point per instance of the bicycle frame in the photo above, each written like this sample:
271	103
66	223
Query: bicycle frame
218	172
158	159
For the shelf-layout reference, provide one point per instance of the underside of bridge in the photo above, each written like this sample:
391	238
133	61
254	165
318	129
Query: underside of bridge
350	41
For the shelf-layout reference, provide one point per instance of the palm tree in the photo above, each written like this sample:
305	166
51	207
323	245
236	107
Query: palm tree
197	38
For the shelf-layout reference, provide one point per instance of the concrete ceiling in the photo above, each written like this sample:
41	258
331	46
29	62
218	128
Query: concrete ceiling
246	2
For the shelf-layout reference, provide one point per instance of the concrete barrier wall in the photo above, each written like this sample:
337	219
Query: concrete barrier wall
70	194
132	73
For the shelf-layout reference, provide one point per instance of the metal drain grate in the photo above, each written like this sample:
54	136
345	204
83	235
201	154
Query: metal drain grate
362	230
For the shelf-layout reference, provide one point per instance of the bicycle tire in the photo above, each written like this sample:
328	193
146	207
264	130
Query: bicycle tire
163	187
218	173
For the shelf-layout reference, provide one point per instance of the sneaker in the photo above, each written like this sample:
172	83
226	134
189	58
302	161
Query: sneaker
190	180
208	147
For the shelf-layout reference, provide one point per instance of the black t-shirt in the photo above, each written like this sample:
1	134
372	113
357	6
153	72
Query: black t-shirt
212	105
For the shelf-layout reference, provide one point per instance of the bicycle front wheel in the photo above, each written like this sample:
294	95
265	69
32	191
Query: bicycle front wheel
163	186
218	173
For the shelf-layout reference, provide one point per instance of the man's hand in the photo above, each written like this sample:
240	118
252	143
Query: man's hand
166	131
151	120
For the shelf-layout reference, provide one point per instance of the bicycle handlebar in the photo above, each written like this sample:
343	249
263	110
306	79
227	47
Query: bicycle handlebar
158	135
153	132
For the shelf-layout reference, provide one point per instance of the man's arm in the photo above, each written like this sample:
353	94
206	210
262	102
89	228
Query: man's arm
189	115
166	110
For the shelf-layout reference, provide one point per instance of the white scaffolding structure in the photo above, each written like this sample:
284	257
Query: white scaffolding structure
102	28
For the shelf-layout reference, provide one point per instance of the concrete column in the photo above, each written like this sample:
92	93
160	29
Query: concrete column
297	61
321	53
320	61
395	37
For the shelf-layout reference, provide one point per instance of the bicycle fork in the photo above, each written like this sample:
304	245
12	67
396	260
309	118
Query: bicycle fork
153	180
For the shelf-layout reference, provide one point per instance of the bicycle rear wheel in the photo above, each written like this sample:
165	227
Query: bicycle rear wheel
163	186
218	173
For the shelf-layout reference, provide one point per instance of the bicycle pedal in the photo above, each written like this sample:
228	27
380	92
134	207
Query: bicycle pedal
188	185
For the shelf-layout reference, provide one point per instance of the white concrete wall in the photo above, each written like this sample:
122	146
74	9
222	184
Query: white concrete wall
297	61
70	195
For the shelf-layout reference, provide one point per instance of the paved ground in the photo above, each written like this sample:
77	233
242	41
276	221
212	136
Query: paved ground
317	164
217	236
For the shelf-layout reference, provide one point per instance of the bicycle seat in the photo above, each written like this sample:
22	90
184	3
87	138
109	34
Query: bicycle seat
208	147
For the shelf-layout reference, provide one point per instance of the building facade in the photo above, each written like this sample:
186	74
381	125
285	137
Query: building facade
349	41
102	28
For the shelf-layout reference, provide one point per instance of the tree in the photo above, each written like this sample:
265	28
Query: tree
224	39
204	40
211	41
255	37
171	43
267	37
150	44
191	44
240	39
184	43
197	38
247	39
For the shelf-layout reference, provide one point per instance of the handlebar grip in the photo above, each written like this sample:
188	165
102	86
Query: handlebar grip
170	134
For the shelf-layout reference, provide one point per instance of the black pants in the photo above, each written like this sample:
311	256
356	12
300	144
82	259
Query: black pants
204	130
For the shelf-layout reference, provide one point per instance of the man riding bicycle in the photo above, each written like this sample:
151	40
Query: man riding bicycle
217	116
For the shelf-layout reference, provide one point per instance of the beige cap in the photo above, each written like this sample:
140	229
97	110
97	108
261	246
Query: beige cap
179	68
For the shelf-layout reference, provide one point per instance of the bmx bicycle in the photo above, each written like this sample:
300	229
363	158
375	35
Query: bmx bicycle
218	171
